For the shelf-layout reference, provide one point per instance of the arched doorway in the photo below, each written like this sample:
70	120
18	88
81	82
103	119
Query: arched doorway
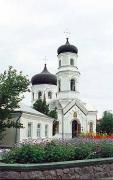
76	128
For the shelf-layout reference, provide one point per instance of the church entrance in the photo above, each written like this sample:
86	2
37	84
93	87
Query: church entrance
76	128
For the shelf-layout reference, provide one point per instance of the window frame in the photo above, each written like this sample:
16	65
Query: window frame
33	95
59	85
39	130
39	96
30	131
72	86
49	95
59	63
72	62
46	130
90	127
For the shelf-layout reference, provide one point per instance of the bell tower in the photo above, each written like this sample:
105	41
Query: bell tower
68	74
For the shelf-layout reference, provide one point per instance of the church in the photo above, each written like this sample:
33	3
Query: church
61	91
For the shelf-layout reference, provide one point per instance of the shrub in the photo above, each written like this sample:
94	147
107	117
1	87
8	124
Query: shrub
25	154
103	150
83	150
59	152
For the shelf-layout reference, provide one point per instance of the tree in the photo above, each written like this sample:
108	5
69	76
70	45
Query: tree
43	107
12	85
106	123
53	113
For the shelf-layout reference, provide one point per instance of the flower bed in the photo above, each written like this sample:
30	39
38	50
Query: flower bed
54	151
97	135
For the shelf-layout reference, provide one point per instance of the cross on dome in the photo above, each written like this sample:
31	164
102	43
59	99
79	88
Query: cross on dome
45	59
67	34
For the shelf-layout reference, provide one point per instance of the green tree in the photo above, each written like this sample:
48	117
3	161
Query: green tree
106	123
53	113
43	107
12	86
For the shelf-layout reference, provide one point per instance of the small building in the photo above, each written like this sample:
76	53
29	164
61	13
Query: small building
35	126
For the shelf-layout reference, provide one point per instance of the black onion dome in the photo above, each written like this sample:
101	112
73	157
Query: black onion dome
45	77
67	48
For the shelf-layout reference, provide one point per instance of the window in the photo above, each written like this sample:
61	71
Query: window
38	130
49	95
91	127
60	63
29	129
59	85
39	95
72	84
72	62
46	130
33	95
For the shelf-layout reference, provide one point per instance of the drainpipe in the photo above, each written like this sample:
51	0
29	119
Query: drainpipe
20	114
62	125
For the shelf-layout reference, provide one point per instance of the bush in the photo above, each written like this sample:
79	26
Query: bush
59	151
103	150
25	154
83	151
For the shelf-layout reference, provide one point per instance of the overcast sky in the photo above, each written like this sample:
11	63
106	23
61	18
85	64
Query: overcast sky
33	29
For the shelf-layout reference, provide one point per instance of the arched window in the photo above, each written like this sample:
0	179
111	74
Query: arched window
38	130
59	85
91	127
49	95
39	95
33	96
72	62
72	85
59	63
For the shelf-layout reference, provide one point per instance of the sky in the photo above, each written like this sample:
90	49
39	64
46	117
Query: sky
33	29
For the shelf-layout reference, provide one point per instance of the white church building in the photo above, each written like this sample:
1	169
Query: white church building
61	92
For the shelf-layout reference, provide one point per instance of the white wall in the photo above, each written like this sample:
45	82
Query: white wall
83	118
91	117
44	88
65	73
65	58
27	118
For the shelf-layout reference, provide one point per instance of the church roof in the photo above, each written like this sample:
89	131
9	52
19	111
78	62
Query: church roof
67	48
45	77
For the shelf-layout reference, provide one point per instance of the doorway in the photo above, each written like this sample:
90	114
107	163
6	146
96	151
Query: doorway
76	128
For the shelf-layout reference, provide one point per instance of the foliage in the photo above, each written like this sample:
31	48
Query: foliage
12	85
53	114
106	123
55	151
102	150
43	107
59	152
83	150
25	154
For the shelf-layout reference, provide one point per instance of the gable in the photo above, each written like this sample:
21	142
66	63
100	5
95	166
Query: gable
75	103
